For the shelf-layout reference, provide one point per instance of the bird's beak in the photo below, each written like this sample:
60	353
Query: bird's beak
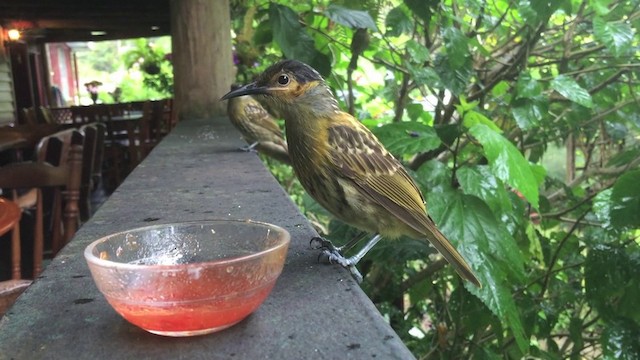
249	89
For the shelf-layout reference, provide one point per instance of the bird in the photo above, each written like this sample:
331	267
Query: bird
345	168
258	127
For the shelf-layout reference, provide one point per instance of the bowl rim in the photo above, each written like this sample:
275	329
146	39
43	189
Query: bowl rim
91	258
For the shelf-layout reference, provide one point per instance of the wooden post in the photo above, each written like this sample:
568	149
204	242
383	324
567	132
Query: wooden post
201	55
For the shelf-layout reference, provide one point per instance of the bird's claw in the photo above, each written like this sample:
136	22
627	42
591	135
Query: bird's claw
333	255
247	148
320	243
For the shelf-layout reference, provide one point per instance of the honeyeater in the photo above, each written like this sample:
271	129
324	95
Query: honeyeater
344	167
258	127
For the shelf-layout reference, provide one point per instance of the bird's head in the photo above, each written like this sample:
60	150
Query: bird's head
288	83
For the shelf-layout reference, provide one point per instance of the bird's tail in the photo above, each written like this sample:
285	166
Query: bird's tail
444	246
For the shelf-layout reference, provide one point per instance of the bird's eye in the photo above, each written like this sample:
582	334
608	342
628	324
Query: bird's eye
283	79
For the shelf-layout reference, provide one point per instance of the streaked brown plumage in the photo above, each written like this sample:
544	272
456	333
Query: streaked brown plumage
258	128
343	165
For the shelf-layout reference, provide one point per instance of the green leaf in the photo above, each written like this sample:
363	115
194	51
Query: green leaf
612	282
527	87
625	200
355	19
294	41
398	22
453	79
600	6
424	75
421	8
539	172
570	89
617	36
407	137
529	112
416	112
472	118
418	52
263	34
479	181
507	163
434	176
620	341
456	45
490	250
501	89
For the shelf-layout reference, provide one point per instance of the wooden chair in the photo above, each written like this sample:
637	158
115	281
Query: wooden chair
10	221
143	134
83	114
29	116
47	115
58	168
115	148
93	150
169	116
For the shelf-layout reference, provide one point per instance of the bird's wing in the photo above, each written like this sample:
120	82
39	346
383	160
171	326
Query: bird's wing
261	117
357	155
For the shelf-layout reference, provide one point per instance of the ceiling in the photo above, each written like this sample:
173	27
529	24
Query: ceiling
85	20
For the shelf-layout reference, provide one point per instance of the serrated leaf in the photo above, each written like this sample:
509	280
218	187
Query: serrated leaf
294	41
625	200
507	162
407	137
615	35
418	52
434	176
472	118
479	181
398	22
355	19
491	251
569	88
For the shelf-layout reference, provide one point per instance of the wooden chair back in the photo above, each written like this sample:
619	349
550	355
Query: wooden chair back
83	114
47	115
29	116
58	168
93	150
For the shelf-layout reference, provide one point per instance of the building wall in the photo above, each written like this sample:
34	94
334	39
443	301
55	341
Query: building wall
61	69
7	102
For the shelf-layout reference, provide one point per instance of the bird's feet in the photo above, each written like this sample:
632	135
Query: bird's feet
334	255
249	148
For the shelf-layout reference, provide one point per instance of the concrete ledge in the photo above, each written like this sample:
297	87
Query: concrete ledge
315	311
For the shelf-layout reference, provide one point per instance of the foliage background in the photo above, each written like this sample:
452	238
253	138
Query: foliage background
519	120
121	64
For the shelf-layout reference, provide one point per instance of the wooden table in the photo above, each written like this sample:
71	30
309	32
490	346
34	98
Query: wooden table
315	311
12	140
25	136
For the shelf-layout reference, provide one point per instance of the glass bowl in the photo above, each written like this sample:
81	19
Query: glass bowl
189	278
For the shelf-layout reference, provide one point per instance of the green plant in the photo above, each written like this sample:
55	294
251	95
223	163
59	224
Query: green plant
472	96
154	64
